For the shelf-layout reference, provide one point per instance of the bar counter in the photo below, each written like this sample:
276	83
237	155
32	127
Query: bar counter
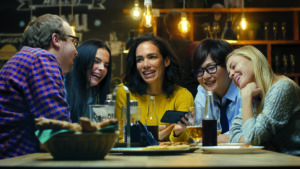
186	160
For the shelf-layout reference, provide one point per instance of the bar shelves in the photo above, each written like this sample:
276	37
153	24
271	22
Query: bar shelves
272	49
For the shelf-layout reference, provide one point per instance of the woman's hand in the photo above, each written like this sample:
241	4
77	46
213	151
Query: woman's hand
251	91
164	132
180	127
223	138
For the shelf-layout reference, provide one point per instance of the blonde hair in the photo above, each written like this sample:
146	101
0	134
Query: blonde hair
263	72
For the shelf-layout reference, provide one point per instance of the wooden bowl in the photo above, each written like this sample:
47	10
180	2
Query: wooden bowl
81	145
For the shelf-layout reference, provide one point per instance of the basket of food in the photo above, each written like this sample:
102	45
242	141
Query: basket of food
72	141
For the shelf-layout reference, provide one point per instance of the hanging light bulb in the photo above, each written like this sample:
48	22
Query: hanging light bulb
184	25
147	20
73	22
243	19
243	22
73	27
136	11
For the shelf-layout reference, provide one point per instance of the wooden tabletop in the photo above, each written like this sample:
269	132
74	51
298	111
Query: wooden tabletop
196	159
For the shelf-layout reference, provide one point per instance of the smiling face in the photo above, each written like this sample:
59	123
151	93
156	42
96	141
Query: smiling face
150	64
100	66
240	70
218	82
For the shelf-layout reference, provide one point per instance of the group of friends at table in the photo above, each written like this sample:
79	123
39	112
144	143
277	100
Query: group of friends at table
53	78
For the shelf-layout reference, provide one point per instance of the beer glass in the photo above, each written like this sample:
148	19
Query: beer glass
194	126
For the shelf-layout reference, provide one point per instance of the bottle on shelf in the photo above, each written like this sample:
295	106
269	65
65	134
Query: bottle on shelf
283	29
152	119
130	39
266	27
285	63
275	31
209	122
292	61
277	64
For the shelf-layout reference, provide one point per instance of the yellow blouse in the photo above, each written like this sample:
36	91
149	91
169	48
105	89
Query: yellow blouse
181	100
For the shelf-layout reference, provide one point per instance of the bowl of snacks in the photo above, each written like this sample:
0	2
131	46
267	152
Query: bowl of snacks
73	141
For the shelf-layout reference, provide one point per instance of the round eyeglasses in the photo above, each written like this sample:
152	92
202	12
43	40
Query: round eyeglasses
211	69
75	40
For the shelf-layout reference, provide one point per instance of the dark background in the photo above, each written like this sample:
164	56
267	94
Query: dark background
112	18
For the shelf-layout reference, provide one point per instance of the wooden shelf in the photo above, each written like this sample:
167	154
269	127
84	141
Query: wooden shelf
271	45
263	42
224	10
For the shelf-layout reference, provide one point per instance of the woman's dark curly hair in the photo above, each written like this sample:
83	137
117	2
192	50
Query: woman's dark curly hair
132	78
38	33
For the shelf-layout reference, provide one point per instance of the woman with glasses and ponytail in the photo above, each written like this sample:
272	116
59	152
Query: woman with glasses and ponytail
210	69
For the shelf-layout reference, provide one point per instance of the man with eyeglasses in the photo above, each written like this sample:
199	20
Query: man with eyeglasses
31	83
210	69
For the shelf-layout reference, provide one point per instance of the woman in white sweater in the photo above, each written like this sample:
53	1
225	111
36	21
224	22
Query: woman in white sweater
270	114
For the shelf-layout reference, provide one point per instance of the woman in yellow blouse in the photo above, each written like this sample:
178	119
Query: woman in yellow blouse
152	70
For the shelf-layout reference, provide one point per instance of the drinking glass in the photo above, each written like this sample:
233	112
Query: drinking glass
194	126
134	127
98	113
219	126
122	122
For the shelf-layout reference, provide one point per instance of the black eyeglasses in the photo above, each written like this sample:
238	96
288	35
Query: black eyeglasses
211	69
75	40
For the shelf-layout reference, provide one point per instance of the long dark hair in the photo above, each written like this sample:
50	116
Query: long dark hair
78	82
132	78
216	48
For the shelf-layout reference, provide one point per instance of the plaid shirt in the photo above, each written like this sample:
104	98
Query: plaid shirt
31	86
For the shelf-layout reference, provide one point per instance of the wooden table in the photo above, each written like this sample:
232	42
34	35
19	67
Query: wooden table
187	160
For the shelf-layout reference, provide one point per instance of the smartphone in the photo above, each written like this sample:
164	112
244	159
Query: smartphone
172	116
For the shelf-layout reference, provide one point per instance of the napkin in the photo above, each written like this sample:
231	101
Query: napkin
46	134
147	138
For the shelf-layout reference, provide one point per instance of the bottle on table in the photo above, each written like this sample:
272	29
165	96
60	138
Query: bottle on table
110	106
209	122
152	119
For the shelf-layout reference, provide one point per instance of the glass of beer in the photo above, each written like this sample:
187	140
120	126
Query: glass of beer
194	126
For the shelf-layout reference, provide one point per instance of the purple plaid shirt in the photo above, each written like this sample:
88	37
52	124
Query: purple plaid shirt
31	86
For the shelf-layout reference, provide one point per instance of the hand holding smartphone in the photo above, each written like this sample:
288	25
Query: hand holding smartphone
172	116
